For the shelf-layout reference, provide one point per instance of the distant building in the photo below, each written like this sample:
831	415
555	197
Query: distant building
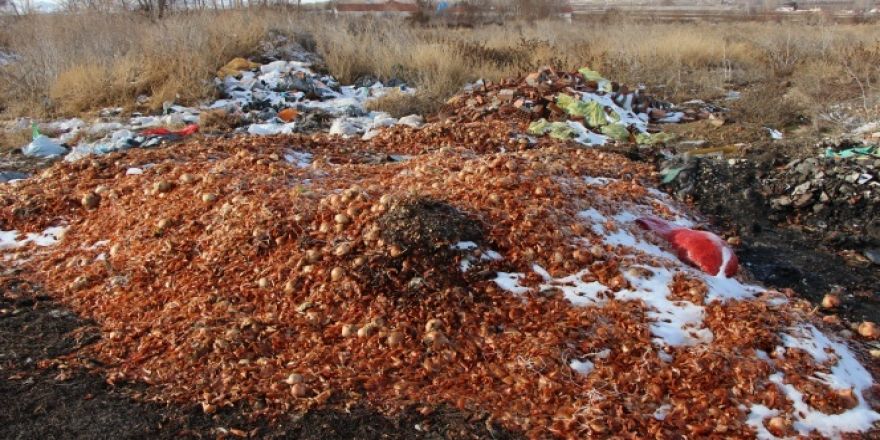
388	8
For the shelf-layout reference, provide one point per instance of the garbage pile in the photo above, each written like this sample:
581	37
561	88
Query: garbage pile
282	273
581	105
836	195
279	97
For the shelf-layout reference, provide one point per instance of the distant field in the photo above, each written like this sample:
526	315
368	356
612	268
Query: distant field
69	64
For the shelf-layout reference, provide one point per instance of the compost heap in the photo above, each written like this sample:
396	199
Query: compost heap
461	264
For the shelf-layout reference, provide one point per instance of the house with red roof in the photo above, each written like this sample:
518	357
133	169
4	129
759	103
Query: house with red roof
390	8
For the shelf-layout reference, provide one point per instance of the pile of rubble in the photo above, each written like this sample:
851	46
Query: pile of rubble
833	196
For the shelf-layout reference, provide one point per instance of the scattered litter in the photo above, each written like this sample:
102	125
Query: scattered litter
42	146
774	133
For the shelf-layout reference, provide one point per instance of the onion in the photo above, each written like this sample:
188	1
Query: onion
831	301
163	186
869	330
298	390
433	325
337	273
347	330
91	200
366	330
395	251
342	250
289	287
777	426
395	338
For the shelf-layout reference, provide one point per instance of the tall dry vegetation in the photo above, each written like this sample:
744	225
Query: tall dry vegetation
69	64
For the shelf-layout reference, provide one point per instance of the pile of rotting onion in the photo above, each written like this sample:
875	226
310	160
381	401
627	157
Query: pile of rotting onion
281	274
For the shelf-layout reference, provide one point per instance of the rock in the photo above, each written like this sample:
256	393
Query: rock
801	189
803	200
782	201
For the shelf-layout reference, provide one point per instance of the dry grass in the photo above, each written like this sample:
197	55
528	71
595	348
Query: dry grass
78	63
13	139
399	104
74	64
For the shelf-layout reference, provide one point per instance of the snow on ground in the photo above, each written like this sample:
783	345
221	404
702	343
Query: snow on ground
50	236
679	323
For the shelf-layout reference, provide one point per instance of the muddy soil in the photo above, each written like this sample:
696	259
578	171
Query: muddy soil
42	399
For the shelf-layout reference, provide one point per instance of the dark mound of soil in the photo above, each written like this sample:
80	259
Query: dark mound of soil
427	227
803	224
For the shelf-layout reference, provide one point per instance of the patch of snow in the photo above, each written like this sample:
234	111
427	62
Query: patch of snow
662	411
270	128
675	323
298	158
491	255
465	246
573	288
755	419
581	367
627	117
585	136
50	236
846	373
598	181
672	118
510	282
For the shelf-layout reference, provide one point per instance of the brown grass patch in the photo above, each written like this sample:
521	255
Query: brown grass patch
72	64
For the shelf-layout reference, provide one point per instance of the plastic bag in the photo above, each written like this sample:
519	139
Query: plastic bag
42	146
590	75
617	132
592	112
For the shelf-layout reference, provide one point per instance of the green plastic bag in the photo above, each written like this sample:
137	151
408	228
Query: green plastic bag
592	112
538	128
35	131
617	132
558	130
591	75
857	151
561	130
653	139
